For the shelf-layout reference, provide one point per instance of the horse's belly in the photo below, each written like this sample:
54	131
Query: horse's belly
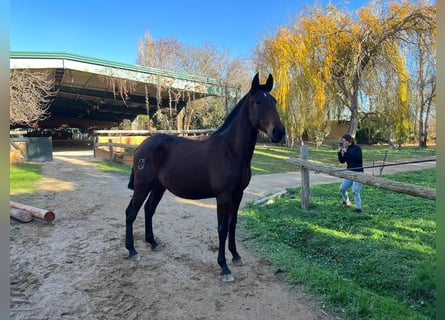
190	192
193	188
189	186
192	195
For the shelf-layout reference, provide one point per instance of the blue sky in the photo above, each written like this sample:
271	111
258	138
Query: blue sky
111	29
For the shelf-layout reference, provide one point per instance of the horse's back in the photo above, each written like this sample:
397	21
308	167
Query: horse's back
171	152
163	144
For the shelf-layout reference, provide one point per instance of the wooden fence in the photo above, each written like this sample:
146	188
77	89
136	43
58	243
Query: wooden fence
107	144
379	182
119	145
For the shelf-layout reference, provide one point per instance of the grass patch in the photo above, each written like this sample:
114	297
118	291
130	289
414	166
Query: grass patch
114	167
378	265
23	177
274	159
267	160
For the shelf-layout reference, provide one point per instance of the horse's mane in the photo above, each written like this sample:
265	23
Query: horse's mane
231	116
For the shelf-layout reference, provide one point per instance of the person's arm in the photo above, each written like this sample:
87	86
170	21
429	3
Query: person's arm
353	154
341	153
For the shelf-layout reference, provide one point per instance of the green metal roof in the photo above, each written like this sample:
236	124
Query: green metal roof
114	64
85	91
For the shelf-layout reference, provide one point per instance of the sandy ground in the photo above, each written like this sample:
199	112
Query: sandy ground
76	268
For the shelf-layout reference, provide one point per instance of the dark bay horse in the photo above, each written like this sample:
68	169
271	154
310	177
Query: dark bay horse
217	167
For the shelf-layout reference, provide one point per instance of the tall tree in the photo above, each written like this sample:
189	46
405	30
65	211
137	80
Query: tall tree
328	55
421	45
207	61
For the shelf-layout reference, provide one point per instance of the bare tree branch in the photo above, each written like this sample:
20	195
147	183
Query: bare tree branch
30	94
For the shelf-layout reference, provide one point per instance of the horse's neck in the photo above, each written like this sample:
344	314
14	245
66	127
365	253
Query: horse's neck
241	135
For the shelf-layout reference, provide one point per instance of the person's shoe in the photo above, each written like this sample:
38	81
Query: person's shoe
345	204
357	210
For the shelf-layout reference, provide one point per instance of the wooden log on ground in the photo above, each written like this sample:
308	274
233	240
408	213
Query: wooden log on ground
269	199
36	212
411	189
21	215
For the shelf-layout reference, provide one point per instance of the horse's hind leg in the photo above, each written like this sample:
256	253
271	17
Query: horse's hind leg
150	206
130	216
236	258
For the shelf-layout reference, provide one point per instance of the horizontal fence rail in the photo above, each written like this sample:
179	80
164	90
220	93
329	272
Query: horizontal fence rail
400	187
106	146
196	132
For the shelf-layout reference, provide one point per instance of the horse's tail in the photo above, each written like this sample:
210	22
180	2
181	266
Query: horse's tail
131	182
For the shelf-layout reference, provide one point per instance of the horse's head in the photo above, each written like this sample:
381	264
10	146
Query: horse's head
262	109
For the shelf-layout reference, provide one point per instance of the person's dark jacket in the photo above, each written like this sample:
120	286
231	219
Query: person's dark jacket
352	157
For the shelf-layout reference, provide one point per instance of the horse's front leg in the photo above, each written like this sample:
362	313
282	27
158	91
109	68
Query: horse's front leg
227	207
226	274
236	258
222	206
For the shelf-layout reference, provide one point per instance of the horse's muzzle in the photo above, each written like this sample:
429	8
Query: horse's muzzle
277	134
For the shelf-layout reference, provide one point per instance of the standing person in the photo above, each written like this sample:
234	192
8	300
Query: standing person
351	153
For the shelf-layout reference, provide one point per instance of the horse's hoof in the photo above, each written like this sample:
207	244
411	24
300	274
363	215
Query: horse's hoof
135	257
238	262
156	248
227	277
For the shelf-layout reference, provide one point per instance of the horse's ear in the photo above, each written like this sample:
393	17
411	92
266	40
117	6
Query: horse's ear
255	82
269	83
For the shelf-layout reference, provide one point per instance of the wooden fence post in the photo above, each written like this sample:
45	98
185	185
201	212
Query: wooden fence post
95	141
304	151
110	141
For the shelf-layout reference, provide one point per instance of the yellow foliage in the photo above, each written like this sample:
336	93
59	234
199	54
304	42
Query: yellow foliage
305	56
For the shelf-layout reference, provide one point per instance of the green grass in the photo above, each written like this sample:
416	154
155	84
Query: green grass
378	265
268	160
23	177
273	159
115	167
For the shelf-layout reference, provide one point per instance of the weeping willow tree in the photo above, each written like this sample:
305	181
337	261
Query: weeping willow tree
322	62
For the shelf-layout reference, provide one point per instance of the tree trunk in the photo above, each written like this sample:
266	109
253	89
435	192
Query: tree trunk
425	134
421	132
353	125
427	117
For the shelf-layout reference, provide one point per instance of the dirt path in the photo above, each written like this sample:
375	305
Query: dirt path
76	268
